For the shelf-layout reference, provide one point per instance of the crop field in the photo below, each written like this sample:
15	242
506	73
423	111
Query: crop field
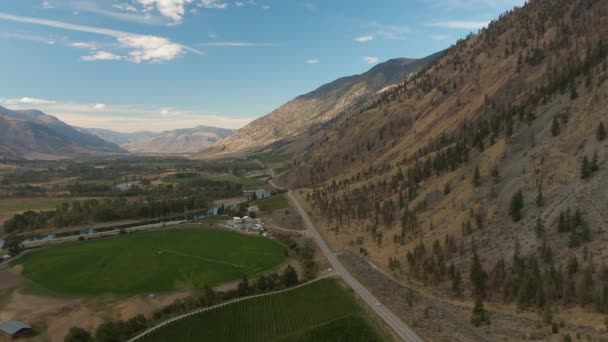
152	262
273	203
218	178
322	311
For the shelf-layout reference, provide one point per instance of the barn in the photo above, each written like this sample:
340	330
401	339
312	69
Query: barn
13	329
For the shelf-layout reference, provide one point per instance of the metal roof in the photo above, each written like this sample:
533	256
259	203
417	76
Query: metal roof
13	327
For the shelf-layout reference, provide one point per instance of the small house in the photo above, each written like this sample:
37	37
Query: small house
237	220
253	209
14	329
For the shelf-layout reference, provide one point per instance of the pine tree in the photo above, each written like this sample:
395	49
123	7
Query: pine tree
595	163
480	315
457	284
478	277
477	177
555	129
517	204
586	168
601	132
540	198
539	228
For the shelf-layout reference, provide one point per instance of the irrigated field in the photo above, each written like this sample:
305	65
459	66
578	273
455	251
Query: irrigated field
273	203
159	261
322	311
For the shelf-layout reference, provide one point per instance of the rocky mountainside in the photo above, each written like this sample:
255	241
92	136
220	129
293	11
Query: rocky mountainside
32	134
345	95
190	140
483	178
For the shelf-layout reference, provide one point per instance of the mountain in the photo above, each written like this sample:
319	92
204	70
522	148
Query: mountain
119	138
32	134
190	140
306	112
482	179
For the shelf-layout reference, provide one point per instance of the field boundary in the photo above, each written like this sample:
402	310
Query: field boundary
233	301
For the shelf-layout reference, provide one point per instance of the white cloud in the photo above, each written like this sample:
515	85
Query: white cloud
313	61
84	45
125	7
27	100
140	48
439	37
266	7
237	44
214	4
29	37
101	56
47	5
150	48
371	60
125	118
239	4
172	9
389	32
364	39
458	24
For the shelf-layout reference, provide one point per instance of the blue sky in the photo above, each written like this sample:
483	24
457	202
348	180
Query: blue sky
131	65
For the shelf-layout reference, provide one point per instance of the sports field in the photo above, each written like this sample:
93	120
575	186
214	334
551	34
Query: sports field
152	262
322	311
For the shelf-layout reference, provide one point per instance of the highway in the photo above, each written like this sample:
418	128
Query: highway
399	327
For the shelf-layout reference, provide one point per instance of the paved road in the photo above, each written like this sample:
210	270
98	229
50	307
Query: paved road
400	328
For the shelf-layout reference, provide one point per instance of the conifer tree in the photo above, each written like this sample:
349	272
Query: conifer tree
517	204
555	129
601	132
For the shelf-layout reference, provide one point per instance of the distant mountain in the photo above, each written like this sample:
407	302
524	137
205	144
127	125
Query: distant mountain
119	138
190	140
341	96
32	134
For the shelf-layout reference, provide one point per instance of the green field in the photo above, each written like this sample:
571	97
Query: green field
322	311
160	261
273	203
219	178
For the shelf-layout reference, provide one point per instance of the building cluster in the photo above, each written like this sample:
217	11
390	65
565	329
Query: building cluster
249	224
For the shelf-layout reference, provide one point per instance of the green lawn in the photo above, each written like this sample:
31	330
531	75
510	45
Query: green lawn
159	261
273	203
322	311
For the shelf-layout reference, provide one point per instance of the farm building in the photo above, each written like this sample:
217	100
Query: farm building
237	220
14	329
253	209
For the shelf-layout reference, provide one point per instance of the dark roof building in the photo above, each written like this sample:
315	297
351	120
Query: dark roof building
14	329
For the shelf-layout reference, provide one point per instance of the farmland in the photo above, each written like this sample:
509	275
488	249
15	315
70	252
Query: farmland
323	311
160	261
272	203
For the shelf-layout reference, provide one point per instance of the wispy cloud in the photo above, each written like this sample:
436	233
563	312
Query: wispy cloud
140	48
458	24
122	11
101	56
214	4
388	32
238	44
313	61
172	9
125	118
439	37
371	60
50	40
365	39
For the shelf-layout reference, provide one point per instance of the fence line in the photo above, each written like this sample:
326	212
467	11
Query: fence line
217	306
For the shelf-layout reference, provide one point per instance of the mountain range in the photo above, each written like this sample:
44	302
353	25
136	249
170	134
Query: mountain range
305	115
32	134
179	141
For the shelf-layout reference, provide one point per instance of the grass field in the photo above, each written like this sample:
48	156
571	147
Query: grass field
160	261
220	178
273	203
322	311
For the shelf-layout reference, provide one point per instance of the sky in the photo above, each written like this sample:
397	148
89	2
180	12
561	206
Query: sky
133	65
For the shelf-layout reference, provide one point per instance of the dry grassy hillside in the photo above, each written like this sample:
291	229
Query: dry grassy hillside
308	113
428	177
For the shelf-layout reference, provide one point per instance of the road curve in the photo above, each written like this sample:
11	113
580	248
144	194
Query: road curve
400	328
